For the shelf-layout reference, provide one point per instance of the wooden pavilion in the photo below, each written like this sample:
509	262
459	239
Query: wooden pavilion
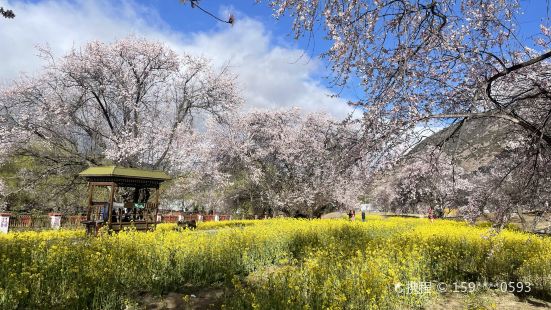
136	209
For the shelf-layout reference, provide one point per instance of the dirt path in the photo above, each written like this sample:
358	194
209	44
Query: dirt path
213	298
489	300
205	298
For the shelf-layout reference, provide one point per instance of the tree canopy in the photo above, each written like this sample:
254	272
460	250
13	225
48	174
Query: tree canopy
278	161
450	60
126	103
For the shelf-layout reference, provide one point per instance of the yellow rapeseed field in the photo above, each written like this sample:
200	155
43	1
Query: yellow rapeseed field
267	264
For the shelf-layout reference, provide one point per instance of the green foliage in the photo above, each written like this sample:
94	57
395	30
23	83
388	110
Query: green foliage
34	186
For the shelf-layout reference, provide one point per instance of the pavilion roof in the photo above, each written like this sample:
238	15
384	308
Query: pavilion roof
126	173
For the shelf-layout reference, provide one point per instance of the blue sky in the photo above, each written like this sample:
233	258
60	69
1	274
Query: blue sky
185	19
182	18
275	71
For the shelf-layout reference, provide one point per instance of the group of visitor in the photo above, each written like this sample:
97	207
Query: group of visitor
127	215
352	214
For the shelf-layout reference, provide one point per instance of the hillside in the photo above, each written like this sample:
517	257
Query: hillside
441	166
473	144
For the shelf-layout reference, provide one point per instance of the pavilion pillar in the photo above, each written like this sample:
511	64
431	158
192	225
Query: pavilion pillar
157	195
90	201
136	196
111	199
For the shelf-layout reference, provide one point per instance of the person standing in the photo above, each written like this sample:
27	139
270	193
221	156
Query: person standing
431	214
363	208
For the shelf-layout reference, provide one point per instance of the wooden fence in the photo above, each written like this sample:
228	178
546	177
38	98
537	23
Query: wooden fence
32	222
72	221
23	222
37	222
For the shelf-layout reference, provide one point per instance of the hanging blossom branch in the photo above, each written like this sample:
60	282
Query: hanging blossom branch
195	4
6	13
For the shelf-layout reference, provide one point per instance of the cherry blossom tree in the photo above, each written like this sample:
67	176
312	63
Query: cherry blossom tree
433	59
450	60
282	161
424	182
124	102
512	184
516	184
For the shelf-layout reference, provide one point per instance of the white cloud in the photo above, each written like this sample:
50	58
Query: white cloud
270	76
62	25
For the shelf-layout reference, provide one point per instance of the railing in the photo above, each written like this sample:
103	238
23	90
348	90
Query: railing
224	217
22	222
190	217
208	218
169	218
196	217
38	222
125	212
72	221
